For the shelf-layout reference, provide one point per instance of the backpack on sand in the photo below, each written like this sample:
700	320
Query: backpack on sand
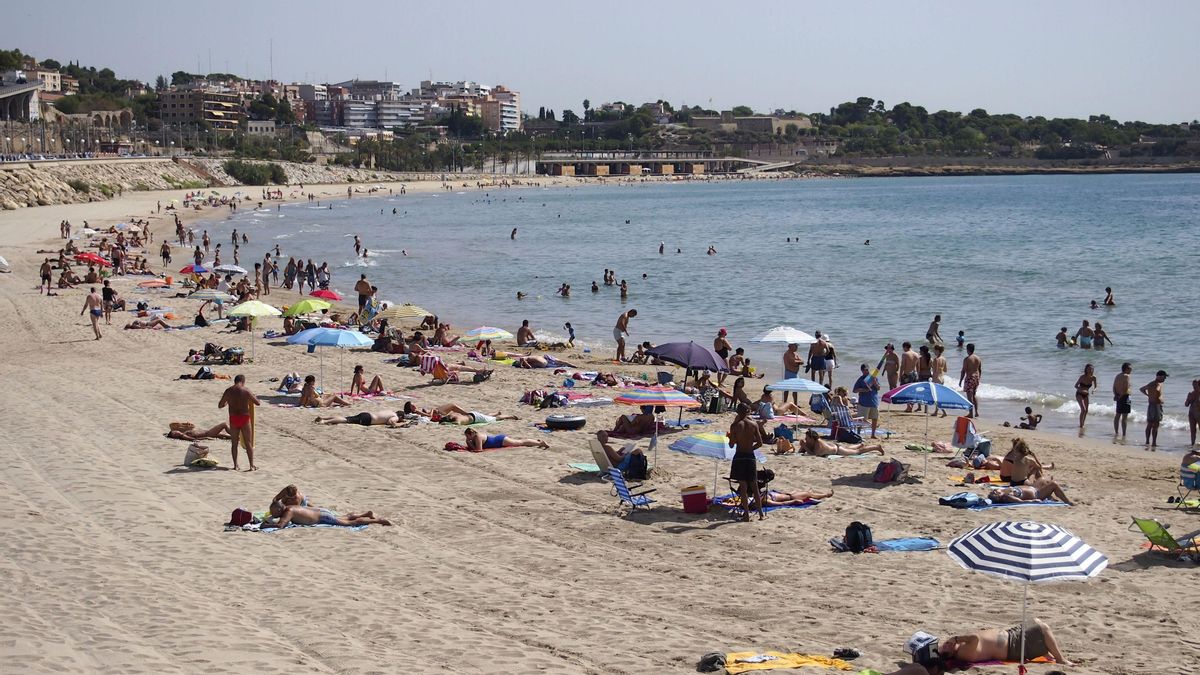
638	468
890	471
858	537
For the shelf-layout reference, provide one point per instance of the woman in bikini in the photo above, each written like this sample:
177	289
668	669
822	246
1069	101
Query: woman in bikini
813	444
477	442
1020	464
309	398
357	387
1084	386
291	507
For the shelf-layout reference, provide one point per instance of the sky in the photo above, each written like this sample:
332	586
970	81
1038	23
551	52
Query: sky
1058	58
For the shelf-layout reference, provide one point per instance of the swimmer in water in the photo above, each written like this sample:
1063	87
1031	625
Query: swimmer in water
1108	297
365	252
520	295
1095	305
867	242
514	234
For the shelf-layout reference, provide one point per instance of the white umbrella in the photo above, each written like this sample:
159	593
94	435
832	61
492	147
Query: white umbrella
1029	552
229	269
786	335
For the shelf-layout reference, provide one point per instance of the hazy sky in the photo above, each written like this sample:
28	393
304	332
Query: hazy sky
1053	58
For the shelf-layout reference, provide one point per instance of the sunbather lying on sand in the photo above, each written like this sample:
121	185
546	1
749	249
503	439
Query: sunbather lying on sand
309	398
155	324
1028	493
1004	644
366	419
291	507
813	444
219	431
357	387
452	414
477	442
540	361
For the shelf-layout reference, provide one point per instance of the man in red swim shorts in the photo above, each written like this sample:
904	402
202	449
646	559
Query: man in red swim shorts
968	378
240	401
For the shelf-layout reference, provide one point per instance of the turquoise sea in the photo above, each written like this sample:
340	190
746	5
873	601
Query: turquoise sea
1008	260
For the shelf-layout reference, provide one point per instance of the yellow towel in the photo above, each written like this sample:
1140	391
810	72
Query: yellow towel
242	440
780	660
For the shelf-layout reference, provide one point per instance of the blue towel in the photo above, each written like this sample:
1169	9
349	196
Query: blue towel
902	544
290	526
718	501
686	423
984	507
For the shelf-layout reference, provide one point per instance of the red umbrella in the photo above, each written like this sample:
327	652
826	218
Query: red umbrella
325	294
194	269
93	259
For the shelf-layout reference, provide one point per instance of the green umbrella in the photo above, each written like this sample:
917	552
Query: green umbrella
307	306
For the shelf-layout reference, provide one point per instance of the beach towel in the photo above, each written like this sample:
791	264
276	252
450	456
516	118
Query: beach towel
954	664
985	506
903	544
585	467
687	423
828	431
793	419
257	527
732	503
741	662
979	480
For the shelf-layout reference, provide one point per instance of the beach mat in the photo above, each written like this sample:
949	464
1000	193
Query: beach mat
729	502
585	467
900	545
687	423
985	507
256	527
741	662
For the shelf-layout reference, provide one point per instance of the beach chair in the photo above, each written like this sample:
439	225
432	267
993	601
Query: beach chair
634	499
968	439
1164	542
1188	478
431	364
843	427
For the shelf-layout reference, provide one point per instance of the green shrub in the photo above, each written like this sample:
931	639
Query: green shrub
79	185
255	174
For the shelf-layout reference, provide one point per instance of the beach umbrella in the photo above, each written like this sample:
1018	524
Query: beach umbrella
253	308
329	337
928	393
405	311
194	269
211	294
306	306
690	355
326	294
785	335
92	258
1028	552
713	445
488	333
657	396
229	269
798	384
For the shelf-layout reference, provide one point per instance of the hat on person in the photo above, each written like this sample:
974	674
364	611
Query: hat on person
1161	373
722	332
918	640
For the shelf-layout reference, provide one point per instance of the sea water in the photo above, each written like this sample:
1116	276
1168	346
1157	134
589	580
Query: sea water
1007	260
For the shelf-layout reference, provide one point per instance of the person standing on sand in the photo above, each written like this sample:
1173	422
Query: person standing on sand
791	369
1084	386
908	368
969	377
621	331
745	438
1192	403
165	252
109	294
197	256
867	388
891	366
939	371
1154	407
363	288
240	402
722	347
1121	386
816	358
205	241
45	277
94	305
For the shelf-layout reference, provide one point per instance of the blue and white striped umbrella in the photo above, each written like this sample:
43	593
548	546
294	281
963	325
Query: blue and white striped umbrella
798	384
1027	551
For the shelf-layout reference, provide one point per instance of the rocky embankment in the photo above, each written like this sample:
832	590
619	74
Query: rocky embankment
67	182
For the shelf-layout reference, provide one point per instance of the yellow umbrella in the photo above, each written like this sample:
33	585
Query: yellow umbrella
253	308
405	311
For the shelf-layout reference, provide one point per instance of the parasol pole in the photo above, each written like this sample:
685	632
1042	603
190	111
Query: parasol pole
1024	612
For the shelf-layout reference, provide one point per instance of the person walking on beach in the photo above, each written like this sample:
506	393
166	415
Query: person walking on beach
891	366
109	294
621	331
205	241
1192	403
1121	384
1084	386
791	369
969	377
165	252
867	388
745	438
94	305
939	371
45	277
240	402
816	357
1154	407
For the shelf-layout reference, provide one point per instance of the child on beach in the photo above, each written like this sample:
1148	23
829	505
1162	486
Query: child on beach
1031	421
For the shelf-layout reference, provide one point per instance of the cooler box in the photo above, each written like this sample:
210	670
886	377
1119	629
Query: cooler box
169	280
695	499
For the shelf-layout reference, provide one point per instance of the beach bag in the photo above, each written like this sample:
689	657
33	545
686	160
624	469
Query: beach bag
715	405
889	472
241	517
638	468
234	355
455	447
845	435
858	537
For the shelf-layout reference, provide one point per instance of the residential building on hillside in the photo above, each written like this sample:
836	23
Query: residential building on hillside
221	110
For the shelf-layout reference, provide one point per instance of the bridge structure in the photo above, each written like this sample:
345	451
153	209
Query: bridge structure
661	163
18	102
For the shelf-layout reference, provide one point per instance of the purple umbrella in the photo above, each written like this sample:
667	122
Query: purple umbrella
690	355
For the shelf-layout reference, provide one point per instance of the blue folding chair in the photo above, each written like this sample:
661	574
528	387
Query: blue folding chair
1189	482
634	499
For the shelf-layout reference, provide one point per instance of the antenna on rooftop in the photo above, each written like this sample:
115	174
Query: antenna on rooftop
271	73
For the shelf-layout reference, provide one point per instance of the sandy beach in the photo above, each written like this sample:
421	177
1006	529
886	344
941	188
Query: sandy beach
505	561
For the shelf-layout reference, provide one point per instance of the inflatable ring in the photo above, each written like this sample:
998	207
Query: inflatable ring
566	422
